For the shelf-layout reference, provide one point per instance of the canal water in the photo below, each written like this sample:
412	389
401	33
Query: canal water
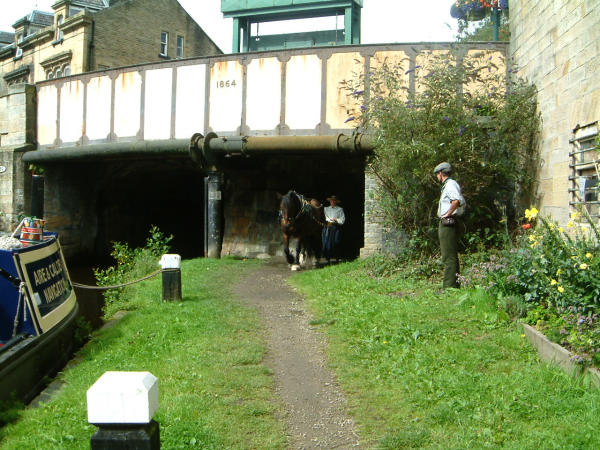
90	301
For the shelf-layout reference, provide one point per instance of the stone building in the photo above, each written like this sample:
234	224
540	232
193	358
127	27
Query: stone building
87	35
79	36
555	46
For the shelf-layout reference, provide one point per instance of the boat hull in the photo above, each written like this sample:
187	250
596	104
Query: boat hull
27	366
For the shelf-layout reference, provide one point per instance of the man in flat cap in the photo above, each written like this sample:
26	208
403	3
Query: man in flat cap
450	207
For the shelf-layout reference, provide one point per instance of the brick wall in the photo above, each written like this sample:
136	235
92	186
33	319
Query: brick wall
555	45
130	32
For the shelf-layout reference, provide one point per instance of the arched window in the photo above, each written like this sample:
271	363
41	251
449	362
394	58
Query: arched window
67	70
49	75
58	73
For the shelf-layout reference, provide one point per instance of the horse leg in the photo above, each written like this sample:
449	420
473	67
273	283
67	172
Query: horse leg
299	248
286	249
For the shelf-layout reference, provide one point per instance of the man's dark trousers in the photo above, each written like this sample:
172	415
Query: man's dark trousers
449	247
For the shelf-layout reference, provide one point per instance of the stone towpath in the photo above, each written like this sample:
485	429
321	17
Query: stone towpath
315	406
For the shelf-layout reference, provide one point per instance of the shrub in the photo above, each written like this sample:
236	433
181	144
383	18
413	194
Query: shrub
131	264
469	114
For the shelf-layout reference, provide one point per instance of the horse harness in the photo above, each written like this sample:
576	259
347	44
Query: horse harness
306	208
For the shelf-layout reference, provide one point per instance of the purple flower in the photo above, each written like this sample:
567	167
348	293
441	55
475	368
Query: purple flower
446	118
461	130
358	92
363	108
349	119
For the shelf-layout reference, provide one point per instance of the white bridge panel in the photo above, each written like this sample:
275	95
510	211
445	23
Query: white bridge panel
190	100
71	111
263	95
128	89
303	92
157	106
98	108
46	116
342	107
226	96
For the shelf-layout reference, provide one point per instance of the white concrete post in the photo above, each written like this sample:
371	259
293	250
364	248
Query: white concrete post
122	405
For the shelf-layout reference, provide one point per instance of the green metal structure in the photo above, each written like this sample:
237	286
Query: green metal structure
245	13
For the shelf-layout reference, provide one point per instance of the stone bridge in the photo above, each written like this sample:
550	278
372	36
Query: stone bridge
116	145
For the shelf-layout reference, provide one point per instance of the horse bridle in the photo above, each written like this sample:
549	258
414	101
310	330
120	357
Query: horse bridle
304	206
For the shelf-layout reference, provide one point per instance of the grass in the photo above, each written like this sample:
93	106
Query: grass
427	370
206	352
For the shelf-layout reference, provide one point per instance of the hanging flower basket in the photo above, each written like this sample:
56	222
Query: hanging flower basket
472	10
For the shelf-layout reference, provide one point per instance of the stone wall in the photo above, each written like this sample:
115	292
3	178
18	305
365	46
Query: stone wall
554	44
17	135
373	219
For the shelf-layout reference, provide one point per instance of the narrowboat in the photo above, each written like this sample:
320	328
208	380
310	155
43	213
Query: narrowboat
37	316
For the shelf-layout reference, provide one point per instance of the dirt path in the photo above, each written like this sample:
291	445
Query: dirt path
315	406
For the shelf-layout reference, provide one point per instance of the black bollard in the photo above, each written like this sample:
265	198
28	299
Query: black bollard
171	284
171	277
122	406
127	437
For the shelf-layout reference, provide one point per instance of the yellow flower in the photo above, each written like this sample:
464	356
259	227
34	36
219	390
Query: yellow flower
588	255
575	215
531	214
558	272
551	226
553	282
560	289
532	237
561	229
570	224
583	266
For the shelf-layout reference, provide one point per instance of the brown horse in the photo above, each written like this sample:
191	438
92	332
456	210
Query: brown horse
301	218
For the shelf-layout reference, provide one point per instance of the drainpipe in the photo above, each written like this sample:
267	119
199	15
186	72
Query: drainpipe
37	196
214	214
91	46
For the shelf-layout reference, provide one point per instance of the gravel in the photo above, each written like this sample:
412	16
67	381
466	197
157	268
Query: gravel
315	406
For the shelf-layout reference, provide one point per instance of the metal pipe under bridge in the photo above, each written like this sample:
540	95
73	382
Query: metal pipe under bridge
206	151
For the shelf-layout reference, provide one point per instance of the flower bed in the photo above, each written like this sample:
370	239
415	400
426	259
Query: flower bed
551	279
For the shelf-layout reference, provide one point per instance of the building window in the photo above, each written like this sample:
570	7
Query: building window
19	52
180	46
164	42
59	22
585	167
49	75
66	70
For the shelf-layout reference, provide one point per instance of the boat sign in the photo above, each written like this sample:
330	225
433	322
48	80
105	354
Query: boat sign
49	289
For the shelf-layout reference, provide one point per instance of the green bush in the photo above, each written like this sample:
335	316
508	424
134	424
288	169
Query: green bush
131	264
470	114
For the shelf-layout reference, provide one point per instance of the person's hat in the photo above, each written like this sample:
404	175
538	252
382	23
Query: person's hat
443	167
333	197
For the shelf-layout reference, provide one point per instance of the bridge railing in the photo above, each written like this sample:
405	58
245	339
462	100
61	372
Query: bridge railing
292	92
